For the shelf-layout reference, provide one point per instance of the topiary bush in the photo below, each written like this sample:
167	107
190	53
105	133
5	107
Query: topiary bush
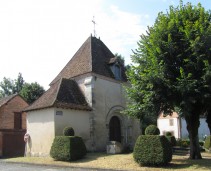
68	131
68	148
172	140
207	144
168	134
152	130
152	150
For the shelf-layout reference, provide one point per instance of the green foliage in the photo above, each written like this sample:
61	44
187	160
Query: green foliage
172	67
152	150
152	130
147	120
68	148
120	58
8	87
172	140
31	92
201	143
207	143
171	63
68	131
183	143
168	134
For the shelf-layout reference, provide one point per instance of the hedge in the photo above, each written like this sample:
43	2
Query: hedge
207	144
68	148
172	140
152	150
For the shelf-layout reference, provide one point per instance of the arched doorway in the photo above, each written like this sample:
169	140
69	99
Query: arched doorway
115	129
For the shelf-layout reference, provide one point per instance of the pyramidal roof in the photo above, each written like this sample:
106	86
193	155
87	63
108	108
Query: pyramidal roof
92	56
65	93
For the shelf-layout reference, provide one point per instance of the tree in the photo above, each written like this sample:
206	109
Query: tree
172	63
10	86
19	83
121	59
7	87
31	92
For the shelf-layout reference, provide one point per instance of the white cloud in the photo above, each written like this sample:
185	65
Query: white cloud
37	38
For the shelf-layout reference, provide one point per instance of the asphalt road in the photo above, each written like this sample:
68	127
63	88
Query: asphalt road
6	166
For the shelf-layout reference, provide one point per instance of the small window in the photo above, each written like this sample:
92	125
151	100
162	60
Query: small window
116	69
60	113
171	122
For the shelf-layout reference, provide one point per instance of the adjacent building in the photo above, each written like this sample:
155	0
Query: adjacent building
178	127
12	125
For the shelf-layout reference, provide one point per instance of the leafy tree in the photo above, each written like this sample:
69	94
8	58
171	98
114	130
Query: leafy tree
172	64
31	92
10	86
120	58
7	87
19	83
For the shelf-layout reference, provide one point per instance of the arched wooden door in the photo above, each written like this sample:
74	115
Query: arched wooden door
115	129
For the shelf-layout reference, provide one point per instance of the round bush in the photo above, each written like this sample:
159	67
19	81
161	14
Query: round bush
152	150
152	130
168	134
68	131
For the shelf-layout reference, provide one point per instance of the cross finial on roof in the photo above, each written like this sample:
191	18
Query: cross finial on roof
94	23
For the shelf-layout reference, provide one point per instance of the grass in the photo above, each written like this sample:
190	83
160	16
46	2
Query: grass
121	162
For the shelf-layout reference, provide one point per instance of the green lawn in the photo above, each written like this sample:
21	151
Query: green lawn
122	161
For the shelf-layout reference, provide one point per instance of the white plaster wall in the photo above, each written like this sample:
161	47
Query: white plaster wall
77	119
40	126
164	126
80	82
107	96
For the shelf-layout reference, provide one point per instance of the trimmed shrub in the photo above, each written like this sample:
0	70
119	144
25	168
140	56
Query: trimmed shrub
152	150
168	134
172	140
201	143
68	148
185	143
152	130
68	131
207	144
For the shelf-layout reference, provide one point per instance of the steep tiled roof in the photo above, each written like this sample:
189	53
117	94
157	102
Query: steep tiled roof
173	115
92	56
4	100
65	93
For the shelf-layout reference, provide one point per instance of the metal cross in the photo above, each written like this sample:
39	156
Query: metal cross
93	21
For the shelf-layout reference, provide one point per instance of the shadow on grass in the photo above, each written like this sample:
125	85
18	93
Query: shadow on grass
181	161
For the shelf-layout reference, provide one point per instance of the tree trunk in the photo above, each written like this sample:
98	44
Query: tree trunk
208	120
192	127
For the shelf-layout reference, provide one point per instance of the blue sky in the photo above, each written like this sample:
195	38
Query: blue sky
38	38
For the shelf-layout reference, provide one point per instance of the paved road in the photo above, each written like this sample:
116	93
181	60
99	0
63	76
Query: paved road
5	166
